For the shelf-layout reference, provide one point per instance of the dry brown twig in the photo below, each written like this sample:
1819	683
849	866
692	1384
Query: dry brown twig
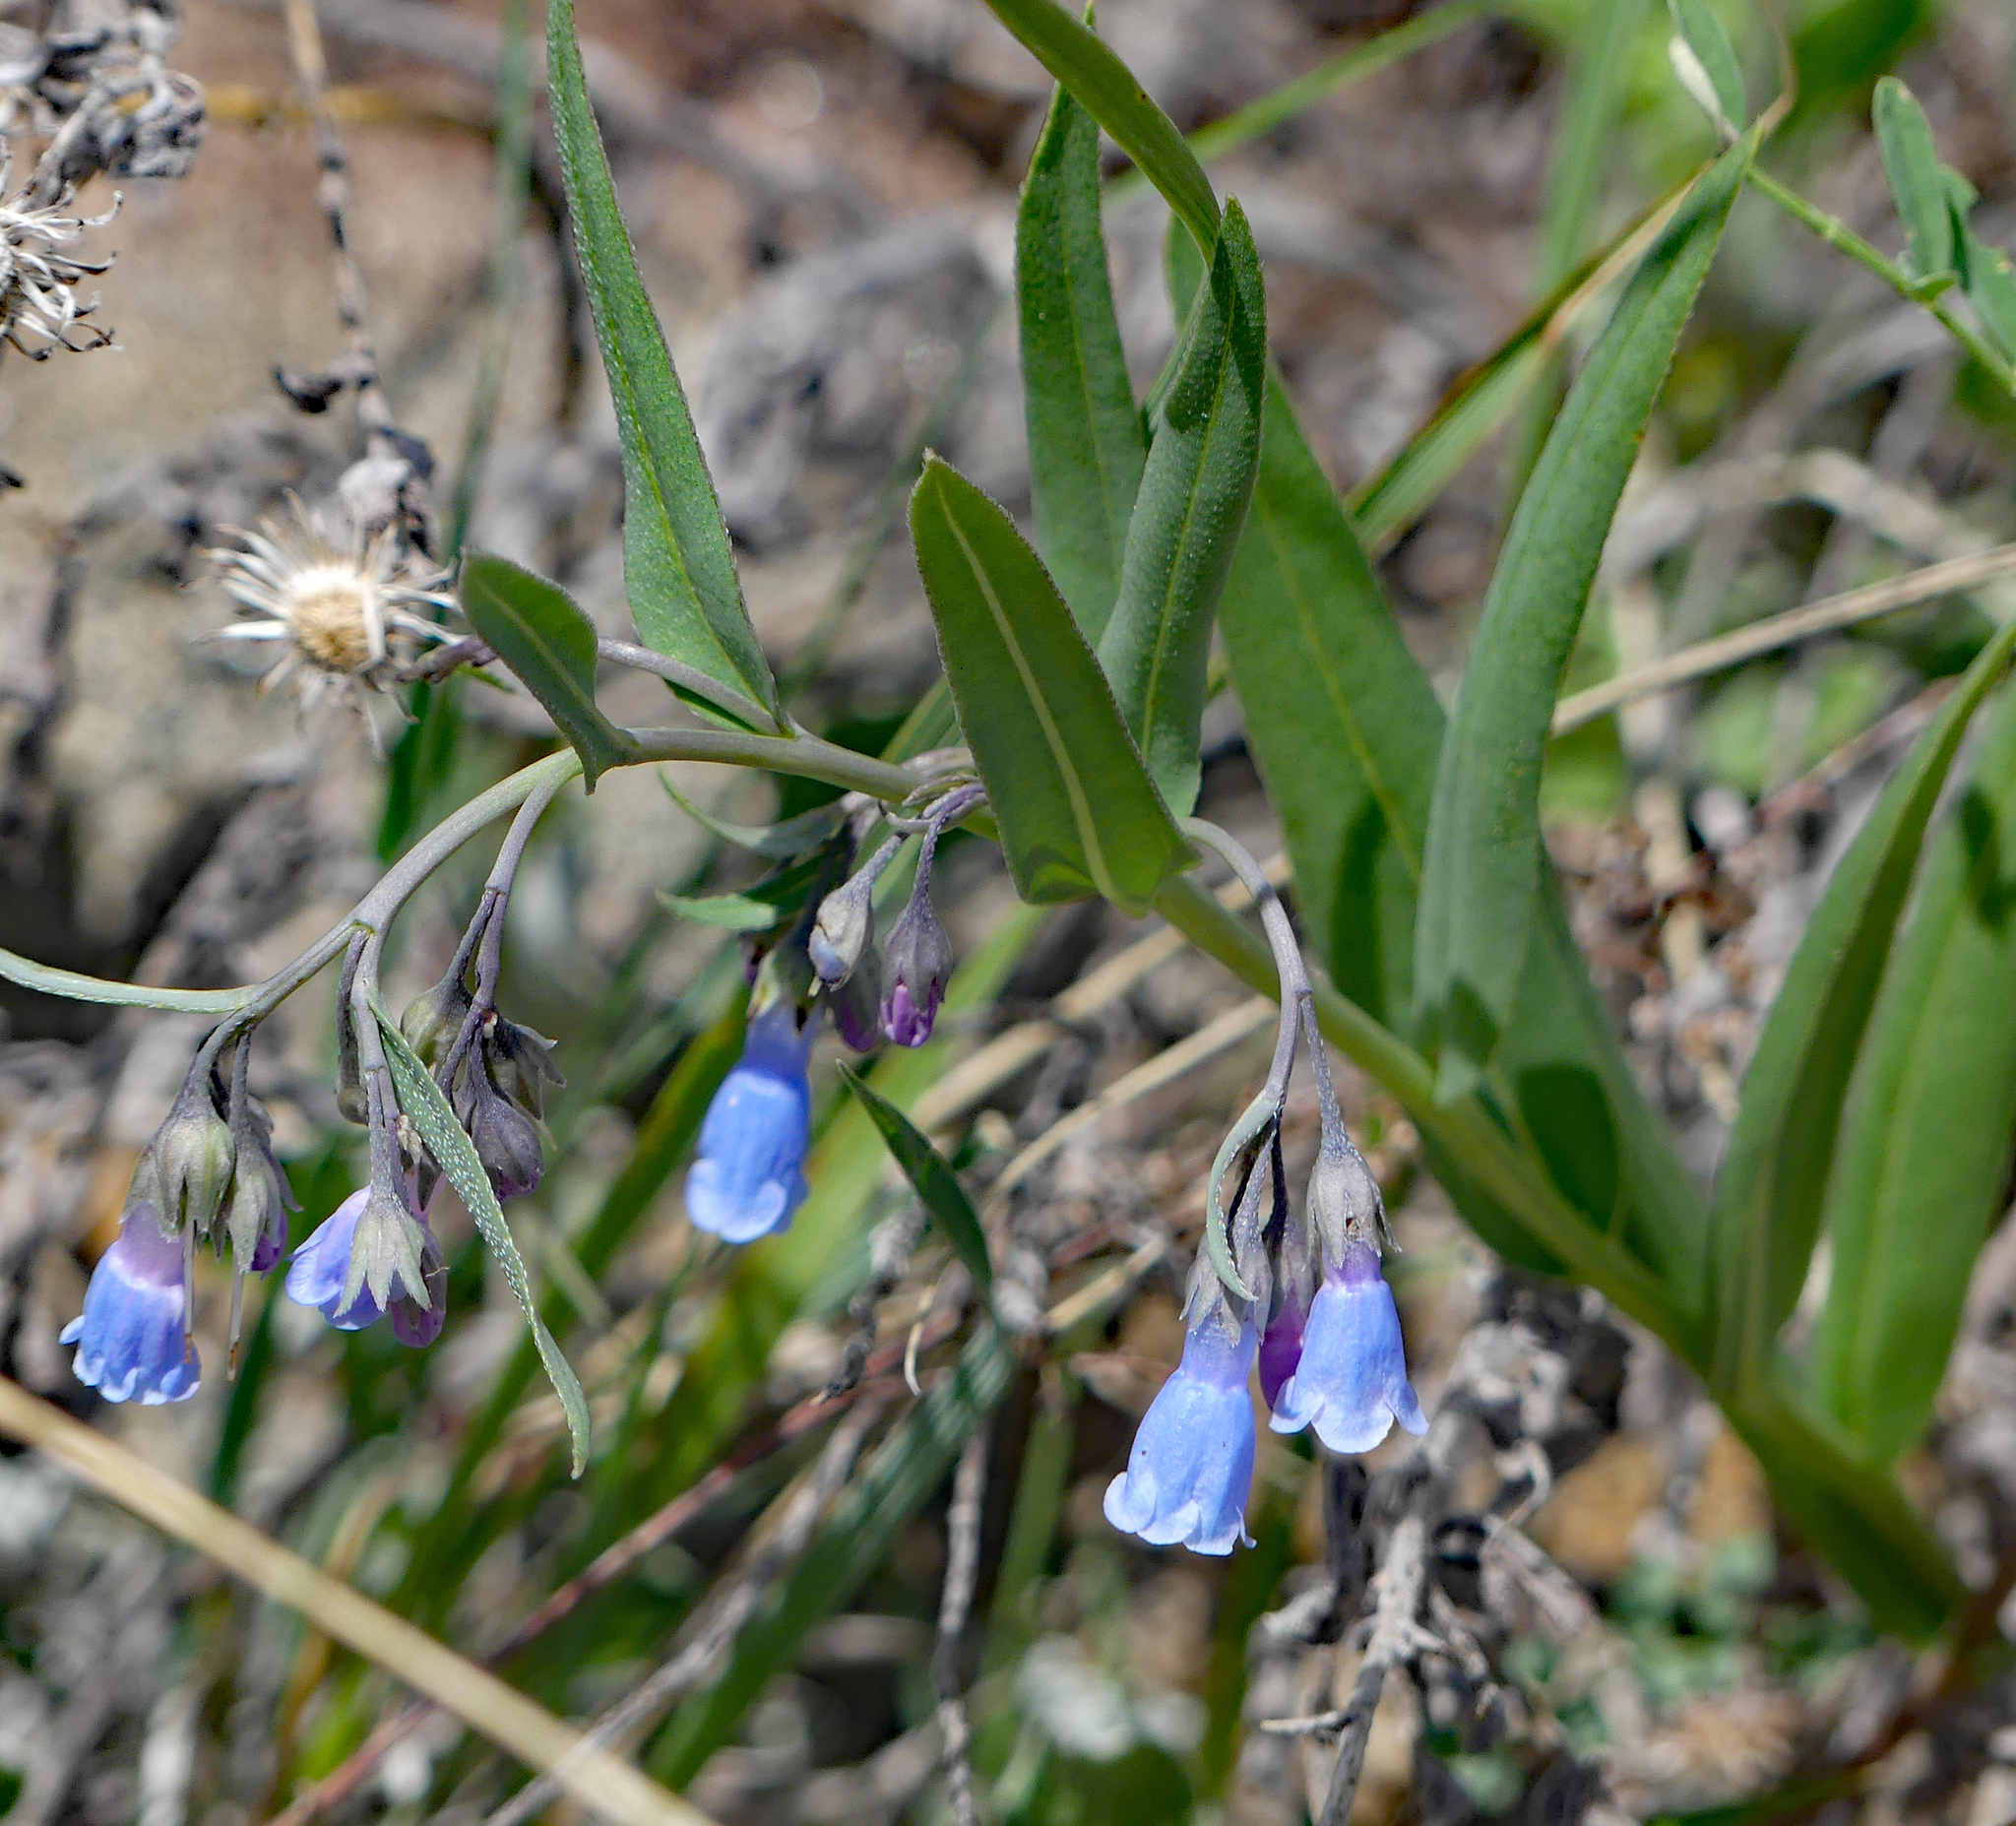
962	1570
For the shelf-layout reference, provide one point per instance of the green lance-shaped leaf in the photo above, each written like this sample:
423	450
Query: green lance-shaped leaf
1077	811
933	1182
1910	161
1202	459
1483	849
1345	726
1073	56
1991	284
1705	61
1773	1180
896	1483
422	1100
1925	1140
677	566
1086	446
543	636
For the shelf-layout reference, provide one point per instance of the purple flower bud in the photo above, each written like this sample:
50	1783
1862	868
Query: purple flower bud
370	1255
506	1142
1192	1462
749	1176
256	1213
1351	1383
131	1336
857	1005
1281	1345
915	964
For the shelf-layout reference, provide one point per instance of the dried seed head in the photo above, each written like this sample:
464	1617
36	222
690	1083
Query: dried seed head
349	612
41	265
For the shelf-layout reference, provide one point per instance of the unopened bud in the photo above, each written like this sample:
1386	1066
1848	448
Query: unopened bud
915	965
256	1217
857	1005
506	1142
845	929
192	1154
434	1018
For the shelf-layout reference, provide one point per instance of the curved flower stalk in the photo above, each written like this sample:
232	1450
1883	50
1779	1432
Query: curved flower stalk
131	1336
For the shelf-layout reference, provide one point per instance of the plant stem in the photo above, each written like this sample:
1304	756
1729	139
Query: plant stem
1838	234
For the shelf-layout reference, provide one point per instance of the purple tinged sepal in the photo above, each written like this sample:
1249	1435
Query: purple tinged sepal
434	1018
749	1176
915	963
1351	1381
845	933
255	1215
1191	1466
372	1255
520	1065
132	1338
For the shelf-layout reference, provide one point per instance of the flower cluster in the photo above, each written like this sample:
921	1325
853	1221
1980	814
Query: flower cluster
208	1176
893	992
1302	1296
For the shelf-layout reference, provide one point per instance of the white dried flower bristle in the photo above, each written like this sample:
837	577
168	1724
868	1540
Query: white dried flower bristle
39	307
351	612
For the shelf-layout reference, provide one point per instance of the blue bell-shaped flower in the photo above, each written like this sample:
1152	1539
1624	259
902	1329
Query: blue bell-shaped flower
1350	1381
132	1338
749	1176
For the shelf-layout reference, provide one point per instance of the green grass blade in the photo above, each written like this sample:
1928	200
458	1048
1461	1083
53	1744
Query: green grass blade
1202	460
1484	852
1768	1195
549	645
1925	1142
897	1481
1078	814
677	565
426	1105
1073	54
1086	448
935	1184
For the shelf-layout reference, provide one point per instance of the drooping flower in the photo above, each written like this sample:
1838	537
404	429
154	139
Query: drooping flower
1192	1462
348	609
857	1005
749	1176
1351	1381
132	1338
372	1255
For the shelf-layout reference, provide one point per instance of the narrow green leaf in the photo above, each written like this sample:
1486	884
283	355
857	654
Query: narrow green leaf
1085	440
1768	1196
424	1101
1073	54
897	1481
732	913
1706	63
1484	850
791	838
1077	810
1202	460
1340	717
1345	728
1925	1140
677	565
1910	161
933	1182
549	645
1990	287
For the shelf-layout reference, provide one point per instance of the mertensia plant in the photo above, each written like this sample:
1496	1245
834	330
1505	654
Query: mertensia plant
1078	664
